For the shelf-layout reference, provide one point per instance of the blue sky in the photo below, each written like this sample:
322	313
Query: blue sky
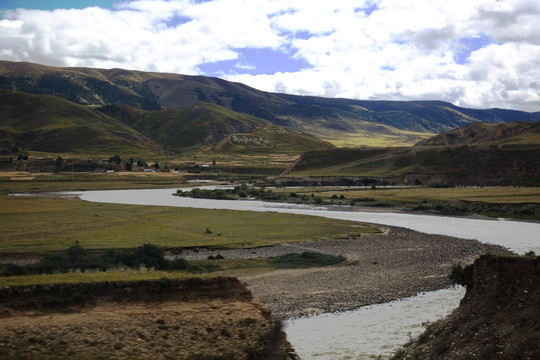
51	5
474	53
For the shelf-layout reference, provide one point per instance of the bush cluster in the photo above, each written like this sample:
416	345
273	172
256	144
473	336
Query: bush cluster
240	191
244	191
77	258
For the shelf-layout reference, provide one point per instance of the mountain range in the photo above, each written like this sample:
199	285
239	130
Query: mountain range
178	112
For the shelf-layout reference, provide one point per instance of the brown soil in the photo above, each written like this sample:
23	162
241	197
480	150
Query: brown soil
496	320
194	319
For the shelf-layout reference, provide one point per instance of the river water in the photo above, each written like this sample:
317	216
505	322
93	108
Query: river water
517	236
372	331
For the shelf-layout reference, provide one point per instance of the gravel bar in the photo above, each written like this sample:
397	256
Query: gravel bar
395	264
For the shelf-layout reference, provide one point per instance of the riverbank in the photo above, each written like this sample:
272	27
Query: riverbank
394	264
497	318
214	318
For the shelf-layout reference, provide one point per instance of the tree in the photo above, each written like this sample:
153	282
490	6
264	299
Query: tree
115	159
59	161
150	256
156	165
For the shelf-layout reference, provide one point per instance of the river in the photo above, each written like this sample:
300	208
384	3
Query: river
517	236
372	331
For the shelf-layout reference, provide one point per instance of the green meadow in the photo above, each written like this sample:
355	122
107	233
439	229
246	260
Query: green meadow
36	225
508	194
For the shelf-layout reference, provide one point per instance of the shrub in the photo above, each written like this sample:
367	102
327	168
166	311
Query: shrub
457	275
400	354
13	270
115	258
75	257
150	256
179	264
203	267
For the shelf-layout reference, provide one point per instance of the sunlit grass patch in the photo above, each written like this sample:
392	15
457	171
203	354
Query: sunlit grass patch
75	277
40	225
506	194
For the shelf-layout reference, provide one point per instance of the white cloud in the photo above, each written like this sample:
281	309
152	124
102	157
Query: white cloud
136	35
403	50
407	50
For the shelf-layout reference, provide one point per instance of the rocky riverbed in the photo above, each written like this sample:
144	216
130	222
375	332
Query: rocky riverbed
394	264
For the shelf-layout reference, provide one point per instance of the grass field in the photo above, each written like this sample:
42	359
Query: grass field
90	277
510	195
39	225
24	182
396	139
33	226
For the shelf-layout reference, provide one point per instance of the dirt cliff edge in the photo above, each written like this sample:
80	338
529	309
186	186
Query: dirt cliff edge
197	318
497	319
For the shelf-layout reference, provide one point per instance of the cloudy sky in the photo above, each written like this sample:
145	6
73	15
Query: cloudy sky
473	53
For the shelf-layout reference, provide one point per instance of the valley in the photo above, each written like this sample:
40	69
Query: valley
288	159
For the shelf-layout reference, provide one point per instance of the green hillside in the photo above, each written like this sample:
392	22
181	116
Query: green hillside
444	165
483	133
344	122
49	124
213	127
272	138
84	86
478	154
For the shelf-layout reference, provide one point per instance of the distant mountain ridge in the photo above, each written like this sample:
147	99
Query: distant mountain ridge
345	120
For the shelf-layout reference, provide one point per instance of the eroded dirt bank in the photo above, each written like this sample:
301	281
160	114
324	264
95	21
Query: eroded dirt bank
497	319
214	318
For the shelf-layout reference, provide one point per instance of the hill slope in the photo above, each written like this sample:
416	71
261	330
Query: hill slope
483	133
344	121
54	125
443	165
214	127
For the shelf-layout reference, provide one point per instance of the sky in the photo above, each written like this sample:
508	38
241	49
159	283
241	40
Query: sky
472	53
